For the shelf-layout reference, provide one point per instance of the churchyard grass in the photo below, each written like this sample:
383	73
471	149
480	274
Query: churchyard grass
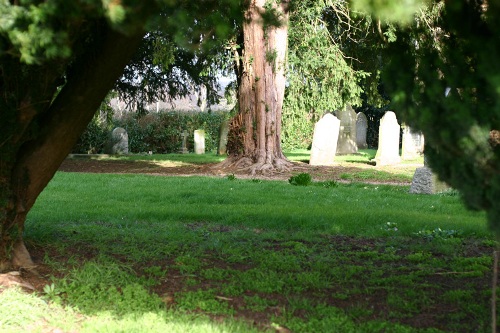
198	254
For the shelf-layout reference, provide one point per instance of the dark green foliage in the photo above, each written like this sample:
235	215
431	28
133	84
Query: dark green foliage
333	60
93	140
302	179
454	47
156	132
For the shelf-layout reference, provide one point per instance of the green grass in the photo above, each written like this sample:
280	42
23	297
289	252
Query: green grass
148	253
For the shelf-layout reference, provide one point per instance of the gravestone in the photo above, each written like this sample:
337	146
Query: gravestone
388	140
223	133
361	130
413	144
324	145
183	149
426	182
199	142
118	142
346	143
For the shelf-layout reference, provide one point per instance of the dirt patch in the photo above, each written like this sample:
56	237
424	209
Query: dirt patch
318	173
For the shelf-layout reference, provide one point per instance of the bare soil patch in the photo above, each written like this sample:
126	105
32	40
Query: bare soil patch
318	173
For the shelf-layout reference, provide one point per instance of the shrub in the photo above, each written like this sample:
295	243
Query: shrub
93	140
302	179
156	132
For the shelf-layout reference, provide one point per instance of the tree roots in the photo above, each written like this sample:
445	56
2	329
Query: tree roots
247	164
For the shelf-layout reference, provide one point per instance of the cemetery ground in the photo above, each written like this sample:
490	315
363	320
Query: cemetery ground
223	252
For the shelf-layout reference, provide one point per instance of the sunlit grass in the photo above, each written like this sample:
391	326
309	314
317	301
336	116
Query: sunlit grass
286	252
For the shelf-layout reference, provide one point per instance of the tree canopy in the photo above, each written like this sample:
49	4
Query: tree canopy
443	77
58	60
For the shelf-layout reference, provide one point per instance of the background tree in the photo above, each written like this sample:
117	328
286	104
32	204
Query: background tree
254	138
333	61
58	60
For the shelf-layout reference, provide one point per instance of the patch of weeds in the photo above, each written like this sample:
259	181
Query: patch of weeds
358	312
155	271
191	282
188	264
449	193
418	257
258	304
108	286
231	177
438	233
256	180
341	296
476	266
279	262
328	184
52	293
346	176
321	318
490	243
459	295
204	300
309	281
390	226
258	280
214	274
302	179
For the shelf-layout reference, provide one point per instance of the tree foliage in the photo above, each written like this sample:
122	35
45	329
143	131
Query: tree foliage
58	60
444	79
332	62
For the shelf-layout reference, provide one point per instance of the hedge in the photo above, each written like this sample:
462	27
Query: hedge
159	133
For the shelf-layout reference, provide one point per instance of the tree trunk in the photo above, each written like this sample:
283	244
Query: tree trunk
46	129
254	138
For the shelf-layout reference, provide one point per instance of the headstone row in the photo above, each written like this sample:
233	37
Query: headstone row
345	132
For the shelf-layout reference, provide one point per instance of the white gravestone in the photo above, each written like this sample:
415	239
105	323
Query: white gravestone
324	145
361	130
199	142
119	140
388	140
413	144
346	143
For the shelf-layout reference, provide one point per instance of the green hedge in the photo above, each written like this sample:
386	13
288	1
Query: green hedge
159	133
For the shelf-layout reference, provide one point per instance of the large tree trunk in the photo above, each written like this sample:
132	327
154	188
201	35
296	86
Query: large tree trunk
254	138
43	130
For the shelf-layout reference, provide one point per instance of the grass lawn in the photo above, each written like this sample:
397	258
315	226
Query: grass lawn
137	253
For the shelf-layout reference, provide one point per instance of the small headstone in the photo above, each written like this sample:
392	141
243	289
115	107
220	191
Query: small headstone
347	134
388	140
183	149
426	182
324	145
199	142
361	130
413	144
118	142
223	133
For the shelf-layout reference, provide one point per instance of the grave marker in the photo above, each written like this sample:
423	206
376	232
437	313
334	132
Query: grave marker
199	142
346	143
388	140
413	144
183	149
361	130
324	145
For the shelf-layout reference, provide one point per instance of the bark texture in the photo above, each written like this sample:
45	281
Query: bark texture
41	131
254	138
